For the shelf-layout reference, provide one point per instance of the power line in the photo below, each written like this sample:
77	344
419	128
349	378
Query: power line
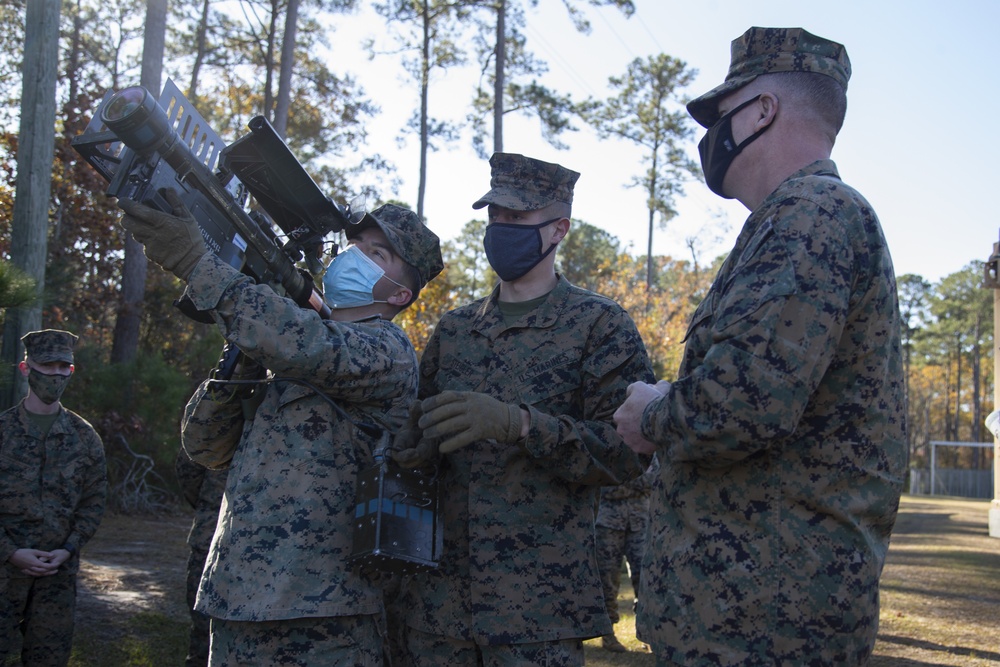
621	41
638	18
539	40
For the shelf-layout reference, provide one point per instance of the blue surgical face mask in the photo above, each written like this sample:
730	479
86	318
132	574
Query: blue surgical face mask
350	278
513	250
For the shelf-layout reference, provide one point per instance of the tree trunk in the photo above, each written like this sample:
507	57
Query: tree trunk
498	84
36	144
651	193
272	31
201	39
125	343
285	74
425	82
73	66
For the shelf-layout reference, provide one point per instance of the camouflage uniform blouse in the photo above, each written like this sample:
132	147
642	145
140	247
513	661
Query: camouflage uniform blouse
52	489
519	561
626	506
284	530
781	443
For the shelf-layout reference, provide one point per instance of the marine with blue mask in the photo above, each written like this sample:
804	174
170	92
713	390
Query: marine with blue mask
277	582
517	391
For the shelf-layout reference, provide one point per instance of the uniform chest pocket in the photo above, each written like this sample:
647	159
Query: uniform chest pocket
19	491
702	313
551	382
17	468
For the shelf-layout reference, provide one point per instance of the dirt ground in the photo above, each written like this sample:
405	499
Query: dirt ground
931	616
133	564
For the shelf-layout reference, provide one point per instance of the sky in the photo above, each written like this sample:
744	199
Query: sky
910	143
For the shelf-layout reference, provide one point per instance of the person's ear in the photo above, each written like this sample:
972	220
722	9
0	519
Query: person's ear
768	111
560	229
23	367
400	297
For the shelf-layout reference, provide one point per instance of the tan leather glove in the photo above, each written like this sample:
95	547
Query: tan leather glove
462	417
410	449
172	241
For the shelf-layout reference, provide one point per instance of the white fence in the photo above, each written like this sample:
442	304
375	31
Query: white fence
963	483
948	482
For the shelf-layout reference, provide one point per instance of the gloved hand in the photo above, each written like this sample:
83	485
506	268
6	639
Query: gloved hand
409	448
462	417
172	241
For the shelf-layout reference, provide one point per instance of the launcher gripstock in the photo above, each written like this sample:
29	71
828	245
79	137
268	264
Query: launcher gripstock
141	146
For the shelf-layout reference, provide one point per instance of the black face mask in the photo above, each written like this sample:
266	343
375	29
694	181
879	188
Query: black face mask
718	149
513	250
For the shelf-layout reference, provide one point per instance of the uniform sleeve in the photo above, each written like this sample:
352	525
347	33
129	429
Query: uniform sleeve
588	450
429	364
211	428
189	476
10	492
775	327
93	498
355	362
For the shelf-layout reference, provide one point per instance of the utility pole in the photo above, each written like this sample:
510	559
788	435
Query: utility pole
992	281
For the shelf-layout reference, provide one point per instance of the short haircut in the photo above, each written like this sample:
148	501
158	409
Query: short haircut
821	95
411	278
562	209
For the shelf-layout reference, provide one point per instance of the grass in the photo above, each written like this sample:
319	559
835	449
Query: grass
940	594
941	587
147	639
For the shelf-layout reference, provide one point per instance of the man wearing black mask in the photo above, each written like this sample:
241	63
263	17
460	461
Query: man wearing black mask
782	439
518	389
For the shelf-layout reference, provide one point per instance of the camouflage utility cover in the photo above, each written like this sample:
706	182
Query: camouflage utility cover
49	345
410	238
767	51
525	184
782	443
519	562
284	535
53	488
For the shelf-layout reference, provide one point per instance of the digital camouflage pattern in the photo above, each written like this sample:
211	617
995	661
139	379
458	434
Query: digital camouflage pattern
202	490
412	240
425	650
525	184
284	534
350	641
620	528
53	490
782	443
51	603
519	562
767	51
49	345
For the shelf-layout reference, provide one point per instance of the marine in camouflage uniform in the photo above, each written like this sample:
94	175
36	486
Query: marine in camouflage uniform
53	488
277	584
621	526
202	490
518	580
782	439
